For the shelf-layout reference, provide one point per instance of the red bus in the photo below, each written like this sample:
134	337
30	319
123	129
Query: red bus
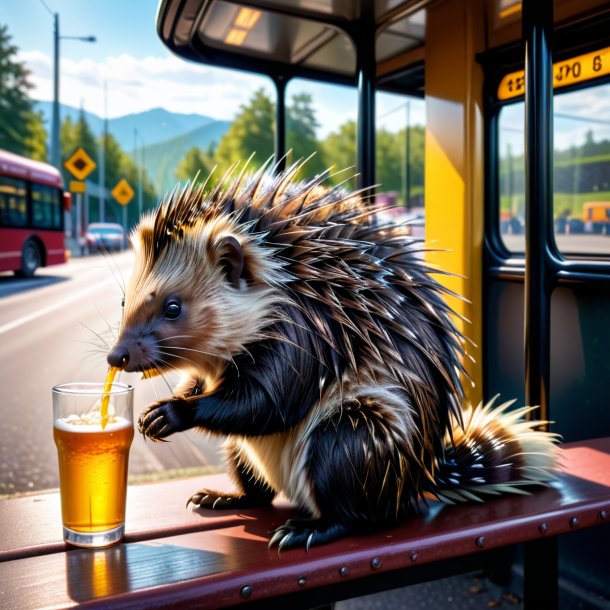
32	202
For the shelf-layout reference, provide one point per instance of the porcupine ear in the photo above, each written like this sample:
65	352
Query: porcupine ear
231	258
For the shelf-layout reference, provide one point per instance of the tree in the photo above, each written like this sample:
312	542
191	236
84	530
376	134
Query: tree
74	135
340	152
196	162
301	134
252	131
21	129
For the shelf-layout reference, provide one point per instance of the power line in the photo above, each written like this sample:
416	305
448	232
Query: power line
47	7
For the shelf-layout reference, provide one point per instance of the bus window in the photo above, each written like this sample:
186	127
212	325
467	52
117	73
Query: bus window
581	173
13	202
581	179
46	207
321	119
511	183
400	156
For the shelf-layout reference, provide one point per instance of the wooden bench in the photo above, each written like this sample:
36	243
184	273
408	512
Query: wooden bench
172	557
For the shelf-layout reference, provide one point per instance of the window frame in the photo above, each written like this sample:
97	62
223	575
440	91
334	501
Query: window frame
574	39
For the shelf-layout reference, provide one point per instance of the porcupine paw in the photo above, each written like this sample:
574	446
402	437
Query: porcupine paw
164	418
207	498
307	533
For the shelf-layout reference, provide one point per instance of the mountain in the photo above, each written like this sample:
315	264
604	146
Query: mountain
154	125
161	160
165	136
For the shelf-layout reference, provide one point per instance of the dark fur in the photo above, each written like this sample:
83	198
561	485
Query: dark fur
359	308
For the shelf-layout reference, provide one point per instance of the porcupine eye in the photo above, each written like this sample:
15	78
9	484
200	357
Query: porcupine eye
172	309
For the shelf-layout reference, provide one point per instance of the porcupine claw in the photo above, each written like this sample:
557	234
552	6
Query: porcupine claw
306	533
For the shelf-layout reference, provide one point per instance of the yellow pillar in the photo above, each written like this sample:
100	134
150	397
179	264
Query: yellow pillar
454	165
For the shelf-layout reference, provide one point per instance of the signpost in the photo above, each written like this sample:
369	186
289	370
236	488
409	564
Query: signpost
80	165
123	193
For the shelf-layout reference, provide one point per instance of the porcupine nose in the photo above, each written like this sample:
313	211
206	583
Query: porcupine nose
118	356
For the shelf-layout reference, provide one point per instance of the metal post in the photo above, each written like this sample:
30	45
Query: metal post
408	158
125	226
102	174
365	68
540	559
55	124
280	123
537	29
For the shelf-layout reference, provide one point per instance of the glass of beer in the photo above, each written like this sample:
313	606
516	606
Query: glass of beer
93	430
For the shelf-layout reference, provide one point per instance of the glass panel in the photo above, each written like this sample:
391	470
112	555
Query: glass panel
321	119
582	171
13	202
399	170
46	207
581	174
511	182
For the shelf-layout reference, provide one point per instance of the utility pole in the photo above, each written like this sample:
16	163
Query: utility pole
55	145
102	174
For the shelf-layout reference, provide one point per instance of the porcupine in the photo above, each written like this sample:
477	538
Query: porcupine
317	340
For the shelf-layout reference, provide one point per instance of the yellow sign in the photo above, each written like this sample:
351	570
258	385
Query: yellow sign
80	164
122	192
77	186
576	70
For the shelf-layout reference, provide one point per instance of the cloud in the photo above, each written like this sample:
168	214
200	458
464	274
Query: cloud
136	85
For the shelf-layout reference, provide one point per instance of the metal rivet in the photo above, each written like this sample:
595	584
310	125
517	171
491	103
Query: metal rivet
603	515
302	581
413	556
574	522
343	571
246	591
543	528
481	541
376	563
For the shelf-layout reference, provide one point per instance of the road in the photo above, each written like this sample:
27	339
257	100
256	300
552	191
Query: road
49	327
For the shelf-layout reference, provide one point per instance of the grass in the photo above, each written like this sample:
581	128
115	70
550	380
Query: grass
562	202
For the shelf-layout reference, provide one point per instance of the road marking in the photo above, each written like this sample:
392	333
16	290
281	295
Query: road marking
43	312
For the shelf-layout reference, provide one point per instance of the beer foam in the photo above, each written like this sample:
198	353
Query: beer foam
90	422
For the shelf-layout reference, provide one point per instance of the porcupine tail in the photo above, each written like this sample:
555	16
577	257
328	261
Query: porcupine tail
496	451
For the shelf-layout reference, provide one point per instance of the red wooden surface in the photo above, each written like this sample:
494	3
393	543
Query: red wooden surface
204	561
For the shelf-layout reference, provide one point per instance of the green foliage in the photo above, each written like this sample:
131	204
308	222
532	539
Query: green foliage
21	129
339	150
36	140
252	131
75	135
301	138
118	165
195	164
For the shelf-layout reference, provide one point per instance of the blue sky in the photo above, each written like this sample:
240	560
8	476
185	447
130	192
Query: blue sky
141	74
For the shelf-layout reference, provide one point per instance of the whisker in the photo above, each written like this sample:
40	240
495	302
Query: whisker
173	337
190	349
108	257
110	329
177	356
98	335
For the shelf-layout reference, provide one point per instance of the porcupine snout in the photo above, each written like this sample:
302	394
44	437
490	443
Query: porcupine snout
118	356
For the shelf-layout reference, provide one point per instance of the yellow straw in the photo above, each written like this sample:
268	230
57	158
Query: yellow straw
112	371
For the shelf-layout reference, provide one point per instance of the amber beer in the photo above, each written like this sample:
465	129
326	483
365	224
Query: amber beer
93	453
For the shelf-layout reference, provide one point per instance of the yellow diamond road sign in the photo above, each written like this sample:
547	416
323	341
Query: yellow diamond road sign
80	164
122	192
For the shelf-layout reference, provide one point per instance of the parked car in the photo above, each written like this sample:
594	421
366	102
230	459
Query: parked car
108	236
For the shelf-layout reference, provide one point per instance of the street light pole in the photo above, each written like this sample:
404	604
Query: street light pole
55	126
140	167
55	146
